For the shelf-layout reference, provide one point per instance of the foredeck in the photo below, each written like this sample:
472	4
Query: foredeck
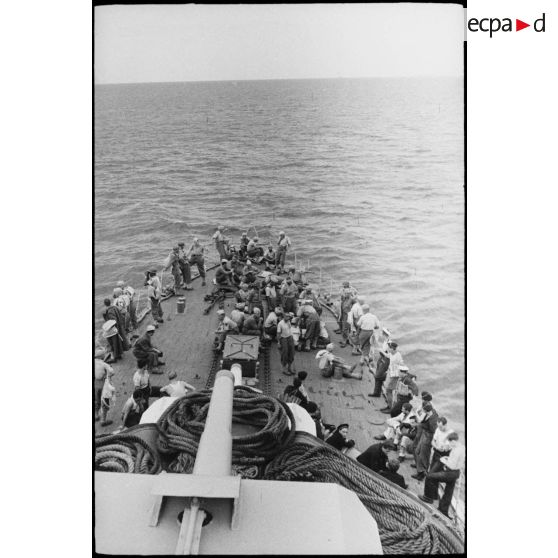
187	340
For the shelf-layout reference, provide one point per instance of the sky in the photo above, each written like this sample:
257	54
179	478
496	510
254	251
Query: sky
138	44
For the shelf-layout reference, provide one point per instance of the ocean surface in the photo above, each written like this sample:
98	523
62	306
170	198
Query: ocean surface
364	175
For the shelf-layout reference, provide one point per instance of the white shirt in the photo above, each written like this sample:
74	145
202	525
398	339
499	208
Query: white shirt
325	358
284	242
108	390
226	325
130	292
439	440
395	361
368	322
122	302
456	459
176	389
101	369
237	316
308	310
271	319
354	314
141	379
284	329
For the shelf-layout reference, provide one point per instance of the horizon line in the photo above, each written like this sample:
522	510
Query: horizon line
277	79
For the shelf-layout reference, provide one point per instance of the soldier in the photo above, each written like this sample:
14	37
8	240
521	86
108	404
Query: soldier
283	245
195	256
220	242
154	289
184	267
286	344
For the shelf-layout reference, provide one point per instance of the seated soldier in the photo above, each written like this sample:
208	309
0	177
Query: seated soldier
238	315
297	277
293	394
146	353
323	339
237	268
253	324
270	324
405	435
176	387
394	422
242	293
315	413
255	297
376	456
328	362
224	327
269	258
390	472
249	273
253	250
223	278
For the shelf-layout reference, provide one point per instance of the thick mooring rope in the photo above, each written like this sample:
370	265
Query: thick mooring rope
406	526
182	424
125	453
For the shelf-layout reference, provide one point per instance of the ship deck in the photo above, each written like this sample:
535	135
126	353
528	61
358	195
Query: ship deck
187	339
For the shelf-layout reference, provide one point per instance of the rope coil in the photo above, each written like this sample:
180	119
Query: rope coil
182	424
125	453
405	525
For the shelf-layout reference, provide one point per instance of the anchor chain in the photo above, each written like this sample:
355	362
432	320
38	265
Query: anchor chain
266	379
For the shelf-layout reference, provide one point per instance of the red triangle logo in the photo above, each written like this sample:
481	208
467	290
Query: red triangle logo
519	25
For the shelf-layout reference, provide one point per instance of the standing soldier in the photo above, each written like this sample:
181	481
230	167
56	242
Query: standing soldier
154	293
132	308
184	267
282	246
289	292
393	373
244	241
220	242
347	294
286	344
352	319
195	254
173	262
367	325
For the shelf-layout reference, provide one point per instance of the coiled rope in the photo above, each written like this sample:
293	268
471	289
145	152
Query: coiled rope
125	453
181	425
405	525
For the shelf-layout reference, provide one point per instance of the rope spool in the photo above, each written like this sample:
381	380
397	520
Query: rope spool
182	424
